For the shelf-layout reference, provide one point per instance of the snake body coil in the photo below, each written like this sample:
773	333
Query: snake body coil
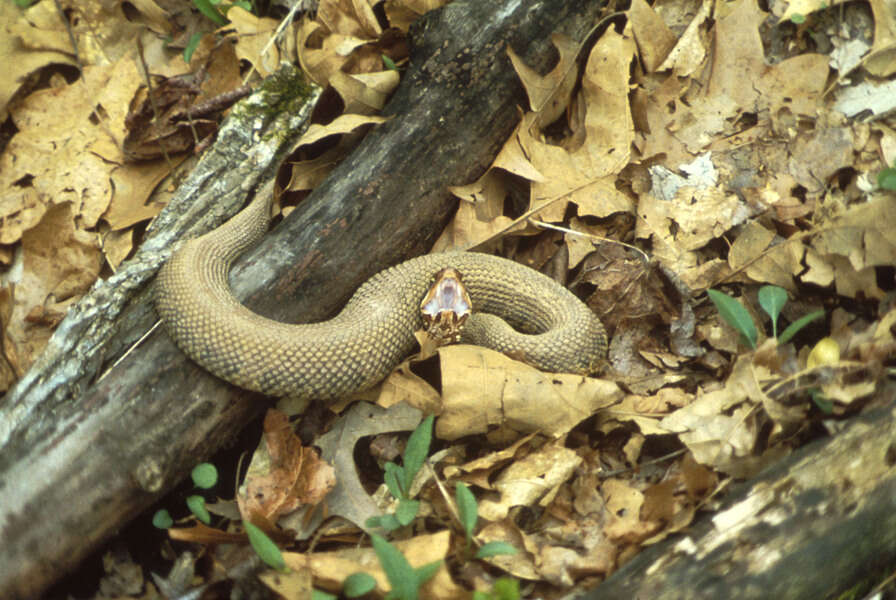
374	332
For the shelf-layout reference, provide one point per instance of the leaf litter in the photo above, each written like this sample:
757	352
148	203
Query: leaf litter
696	146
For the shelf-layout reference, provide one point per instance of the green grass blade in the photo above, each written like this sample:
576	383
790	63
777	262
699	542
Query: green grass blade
467	507
496	548
799	324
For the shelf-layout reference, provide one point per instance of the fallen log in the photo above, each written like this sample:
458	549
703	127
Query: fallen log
814	525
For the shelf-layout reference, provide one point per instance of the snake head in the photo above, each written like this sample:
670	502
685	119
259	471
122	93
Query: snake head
446	307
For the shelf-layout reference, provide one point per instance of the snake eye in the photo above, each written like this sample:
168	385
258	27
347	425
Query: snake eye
446	307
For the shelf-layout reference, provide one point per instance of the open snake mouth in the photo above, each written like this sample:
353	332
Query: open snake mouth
446	307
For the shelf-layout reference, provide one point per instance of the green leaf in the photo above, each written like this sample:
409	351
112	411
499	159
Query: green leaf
394	478
772	299
506	588
467	507
735	315
210	12
162	519
886	179
191	46
319	595
498	548
425	572
246	6
824	405
398	570
358	584
794	327
196	505
416	451
264	547
390	64
798	18
406	511
204	475
387	522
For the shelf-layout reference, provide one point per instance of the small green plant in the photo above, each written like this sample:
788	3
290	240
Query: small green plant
797	19
404	579
399	478
210	9
886	179
162	519
264	547
772	299
469	515
196	504
358	584
504	588
204	475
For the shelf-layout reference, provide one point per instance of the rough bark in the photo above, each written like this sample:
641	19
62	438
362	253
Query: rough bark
819	523
79	459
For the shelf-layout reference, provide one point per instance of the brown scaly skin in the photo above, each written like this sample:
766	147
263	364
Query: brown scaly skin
374	332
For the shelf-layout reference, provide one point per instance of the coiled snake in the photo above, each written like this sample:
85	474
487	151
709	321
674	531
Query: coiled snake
374	332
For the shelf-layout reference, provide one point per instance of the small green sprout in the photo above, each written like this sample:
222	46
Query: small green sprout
398	478
264	547
162	519
204	475
504	588
469	515
196	505
772	299
886	179
404	579
358	584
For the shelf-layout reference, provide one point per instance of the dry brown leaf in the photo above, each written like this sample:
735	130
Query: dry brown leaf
253	36
689	51
21	60
624	504
654	39
764	257
321	54
549	95
882	60
349	17
364	93
483	389
116	246
533	479
401	13
60	262
283	475
851	244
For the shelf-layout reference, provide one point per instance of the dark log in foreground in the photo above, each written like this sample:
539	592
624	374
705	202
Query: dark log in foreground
819	523
77	462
